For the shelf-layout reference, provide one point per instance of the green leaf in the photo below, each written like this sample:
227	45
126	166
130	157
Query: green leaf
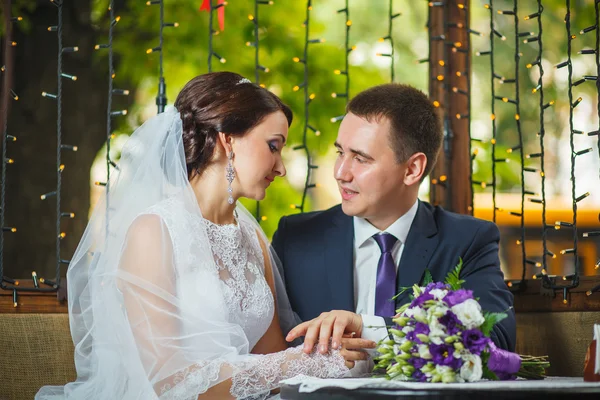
488	374
453	278
427	278
491	319
402	290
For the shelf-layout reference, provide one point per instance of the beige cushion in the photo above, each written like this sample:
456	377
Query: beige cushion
37	350
563	336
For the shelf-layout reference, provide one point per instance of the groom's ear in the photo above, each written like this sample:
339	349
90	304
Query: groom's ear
415	168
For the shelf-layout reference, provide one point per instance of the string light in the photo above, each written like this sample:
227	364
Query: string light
307	100
10	280
346	72
389	38
48	282
35	279
493	76
211	33
542	107
593	290
6	160
161	97
258	68
516	102
568	63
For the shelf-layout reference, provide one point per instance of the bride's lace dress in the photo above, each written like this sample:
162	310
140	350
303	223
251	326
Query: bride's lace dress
245	300
164	304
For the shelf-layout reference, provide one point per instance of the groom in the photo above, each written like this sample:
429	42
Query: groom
356	256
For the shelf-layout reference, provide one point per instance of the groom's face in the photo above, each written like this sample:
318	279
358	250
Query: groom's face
369	178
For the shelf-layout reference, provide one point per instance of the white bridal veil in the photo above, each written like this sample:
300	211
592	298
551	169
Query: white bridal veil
146	294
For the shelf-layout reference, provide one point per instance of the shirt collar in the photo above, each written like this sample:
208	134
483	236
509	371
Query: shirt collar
363	230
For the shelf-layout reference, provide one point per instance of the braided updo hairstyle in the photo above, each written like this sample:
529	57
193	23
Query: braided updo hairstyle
220	102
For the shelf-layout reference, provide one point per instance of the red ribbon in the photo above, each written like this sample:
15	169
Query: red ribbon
220	12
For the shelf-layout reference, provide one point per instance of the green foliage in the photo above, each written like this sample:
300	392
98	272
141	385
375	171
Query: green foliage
427	279
491	319
453	278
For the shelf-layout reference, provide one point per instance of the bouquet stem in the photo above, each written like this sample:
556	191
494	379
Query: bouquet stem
533	367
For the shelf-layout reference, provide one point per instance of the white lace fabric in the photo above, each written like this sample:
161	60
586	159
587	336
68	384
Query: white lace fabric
254	379
164	304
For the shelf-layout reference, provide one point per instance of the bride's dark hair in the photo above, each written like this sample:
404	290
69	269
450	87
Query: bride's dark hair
220	102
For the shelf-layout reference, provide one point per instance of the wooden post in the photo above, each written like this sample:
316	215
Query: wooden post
449	66
7	75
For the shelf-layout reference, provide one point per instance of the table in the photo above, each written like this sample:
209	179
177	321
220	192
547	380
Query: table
329	389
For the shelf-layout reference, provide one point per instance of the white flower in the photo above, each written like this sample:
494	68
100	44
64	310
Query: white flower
408	329
471	370
437	311
419	314
436	331
469	313
424	352
438	294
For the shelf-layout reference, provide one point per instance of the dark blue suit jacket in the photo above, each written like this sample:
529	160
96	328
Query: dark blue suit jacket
316	250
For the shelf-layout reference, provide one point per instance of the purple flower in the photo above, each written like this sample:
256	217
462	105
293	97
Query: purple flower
458	296
442	354
475	341
419	376
451	322
436	285
420	327
456	363
418	301
417	362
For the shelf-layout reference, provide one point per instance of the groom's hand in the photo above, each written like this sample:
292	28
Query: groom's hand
331	324
352	349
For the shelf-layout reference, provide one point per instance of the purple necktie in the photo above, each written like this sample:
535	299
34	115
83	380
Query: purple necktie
386	277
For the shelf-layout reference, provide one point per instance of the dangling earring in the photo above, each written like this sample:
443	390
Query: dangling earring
230	175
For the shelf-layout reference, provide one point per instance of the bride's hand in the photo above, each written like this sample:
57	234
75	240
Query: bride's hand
334	325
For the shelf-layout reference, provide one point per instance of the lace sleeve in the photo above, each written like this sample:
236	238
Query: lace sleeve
257	375
255	378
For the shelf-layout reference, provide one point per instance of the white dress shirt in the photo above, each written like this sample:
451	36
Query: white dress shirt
366	259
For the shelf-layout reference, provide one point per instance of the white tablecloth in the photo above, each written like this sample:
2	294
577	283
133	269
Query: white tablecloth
309	384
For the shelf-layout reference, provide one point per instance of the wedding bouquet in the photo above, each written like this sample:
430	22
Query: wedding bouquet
444	336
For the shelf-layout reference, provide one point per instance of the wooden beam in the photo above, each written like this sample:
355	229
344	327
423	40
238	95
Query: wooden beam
450	58
34	302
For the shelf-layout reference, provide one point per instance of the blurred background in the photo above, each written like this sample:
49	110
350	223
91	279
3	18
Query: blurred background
32	118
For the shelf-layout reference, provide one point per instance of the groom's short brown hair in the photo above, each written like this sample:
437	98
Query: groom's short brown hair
415	122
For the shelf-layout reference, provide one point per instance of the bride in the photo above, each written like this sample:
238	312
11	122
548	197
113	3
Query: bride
174	292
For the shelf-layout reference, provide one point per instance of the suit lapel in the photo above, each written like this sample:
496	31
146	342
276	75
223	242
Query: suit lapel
338	253
420	244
